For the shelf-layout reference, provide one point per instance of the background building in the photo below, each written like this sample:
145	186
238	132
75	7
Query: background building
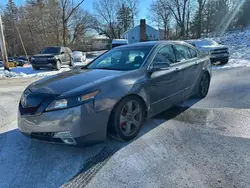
142	32
99	42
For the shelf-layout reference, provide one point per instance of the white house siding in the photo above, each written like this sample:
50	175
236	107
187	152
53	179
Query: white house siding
133	35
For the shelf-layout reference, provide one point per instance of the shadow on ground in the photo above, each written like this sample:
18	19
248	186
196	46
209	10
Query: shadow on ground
26	162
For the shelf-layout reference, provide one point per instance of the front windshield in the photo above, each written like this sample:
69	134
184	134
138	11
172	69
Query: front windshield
51	50
206	43
122	59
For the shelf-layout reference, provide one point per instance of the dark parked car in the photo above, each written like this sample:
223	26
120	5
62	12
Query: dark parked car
52	57
115	93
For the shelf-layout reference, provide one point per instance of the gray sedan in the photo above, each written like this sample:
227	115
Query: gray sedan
113	94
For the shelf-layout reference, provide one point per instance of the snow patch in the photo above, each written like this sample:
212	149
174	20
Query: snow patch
28	71
239	48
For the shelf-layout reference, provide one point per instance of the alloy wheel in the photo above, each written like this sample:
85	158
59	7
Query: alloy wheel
130	118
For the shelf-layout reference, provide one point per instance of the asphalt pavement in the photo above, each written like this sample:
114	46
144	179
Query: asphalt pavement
199	143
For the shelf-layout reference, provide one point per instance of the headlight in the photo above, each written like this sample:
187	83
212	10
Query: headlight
71	102
51	58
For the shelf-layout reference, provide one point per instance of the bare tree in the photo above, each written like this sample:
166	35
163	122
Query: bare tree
178	9
106	17
160	14
68	8
201	5
134	6
81	23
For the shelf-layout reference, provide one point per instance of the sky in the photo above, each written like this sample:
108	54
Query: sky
87	4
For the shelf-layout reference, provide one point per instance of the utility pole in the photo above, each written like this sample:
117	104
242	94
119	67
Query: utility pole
3	47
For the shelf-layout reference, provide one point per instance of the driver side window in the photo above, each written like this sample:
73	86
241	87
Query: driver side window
165	55
109	61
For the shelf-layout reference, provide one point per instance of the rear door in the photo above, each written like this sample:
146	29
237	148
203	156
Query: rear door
189	62
165	85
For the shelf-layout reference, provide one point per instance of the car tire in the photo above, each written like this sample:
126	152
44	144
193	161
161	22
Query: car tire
223	62
204	85
131	112
58	65
35	68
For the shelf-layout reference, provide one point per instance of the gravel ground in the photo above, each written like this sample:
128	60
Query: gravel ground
200	143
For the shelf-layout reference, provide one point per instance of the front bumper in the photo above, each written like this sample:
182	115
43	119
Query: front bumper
43	63
219	57
80	123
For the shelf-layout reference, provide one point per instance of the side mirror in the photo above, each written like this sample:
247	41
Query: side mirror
160	66
62	53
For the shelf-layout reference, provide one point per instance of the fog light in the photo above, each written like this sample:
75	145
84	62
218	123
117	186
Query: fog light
65	137
70	141
65	134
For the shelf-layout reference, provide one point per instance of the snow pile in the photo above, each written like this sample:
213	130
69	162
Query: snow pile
239	48
26	72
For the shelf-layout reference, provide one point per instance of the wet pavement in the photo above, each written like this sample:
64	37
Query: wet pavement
199	143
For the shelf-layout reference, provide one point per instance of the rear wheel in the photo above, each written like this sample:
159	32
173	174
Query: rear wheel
127	118
58	65
204	85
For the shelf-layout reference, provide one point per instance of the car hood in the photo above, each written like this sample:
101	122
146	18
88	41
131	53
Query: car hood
44	55
73	81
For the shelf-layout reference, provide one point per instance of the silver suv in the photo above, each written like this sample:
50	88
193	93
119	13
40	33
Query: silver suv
217	52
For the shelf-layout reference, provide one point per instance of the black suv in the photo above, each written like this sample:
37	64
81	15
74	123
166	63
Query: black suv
52	57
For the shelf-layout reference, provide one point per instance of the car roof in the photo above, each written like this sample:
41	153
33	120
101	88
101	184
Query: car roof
151	43
119	41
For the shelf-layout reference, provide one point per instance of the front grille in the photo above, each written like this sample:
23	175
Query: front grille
219	51
43	134
46	136
28	110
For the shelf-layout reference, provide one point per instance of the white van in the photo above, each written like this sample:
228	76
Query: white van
119	42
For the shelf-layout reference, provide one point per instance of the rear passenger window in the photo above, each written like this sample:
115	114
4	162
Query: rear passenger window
182	53
165	55
193	53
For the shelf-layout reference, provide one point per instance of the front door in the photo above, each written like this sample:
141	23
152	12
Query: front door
164	85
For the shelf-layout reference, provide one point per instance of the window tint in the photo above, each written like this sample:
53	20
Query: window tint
165	55
182	53
51	50
193	53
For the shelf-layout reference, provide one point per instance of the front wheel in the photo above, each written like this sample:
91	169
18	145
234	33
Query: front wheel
127	118
204	85
58	65
223	62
